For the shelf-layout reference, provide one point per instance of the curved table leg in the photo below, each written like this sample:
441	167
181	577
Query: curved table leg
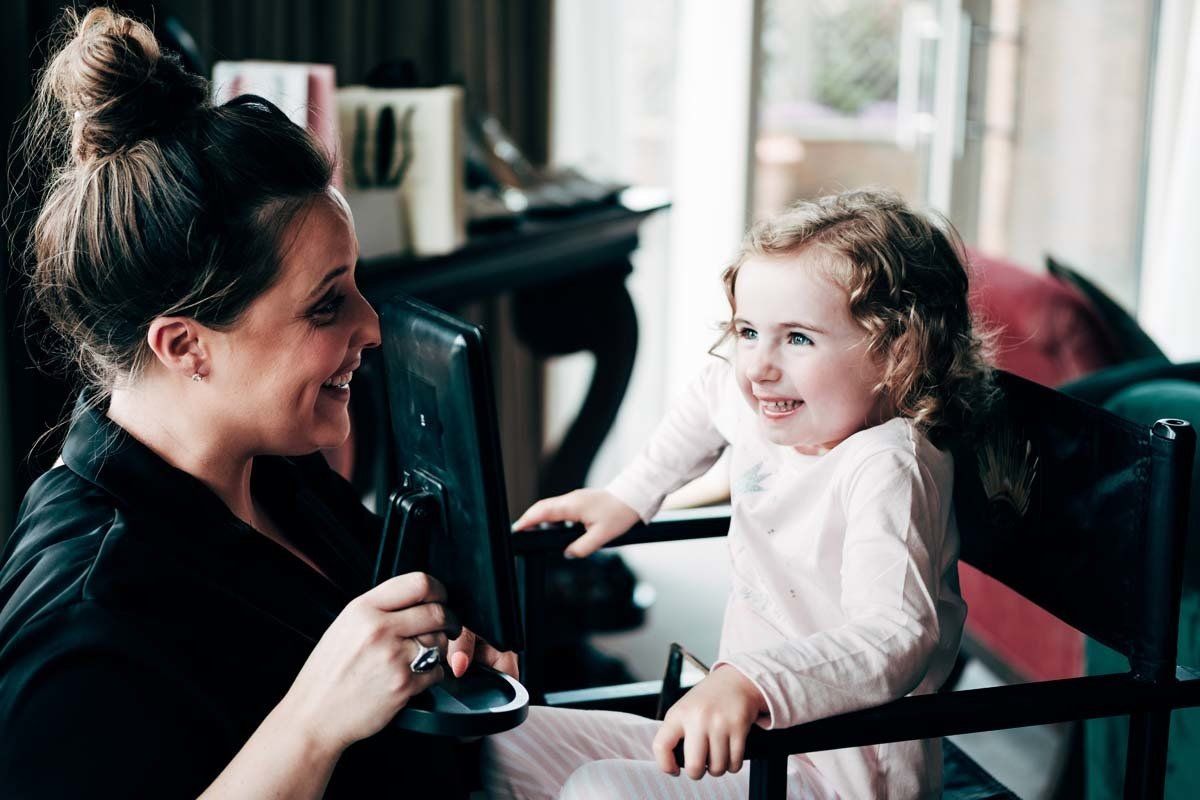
594	314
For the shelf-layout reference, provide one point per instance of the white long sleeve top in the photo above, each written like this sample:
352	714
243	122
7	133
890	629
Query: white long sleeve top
844	579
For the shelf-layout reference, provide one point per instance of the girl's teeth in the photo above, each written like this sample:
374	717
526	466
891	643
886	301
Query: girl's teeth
782	405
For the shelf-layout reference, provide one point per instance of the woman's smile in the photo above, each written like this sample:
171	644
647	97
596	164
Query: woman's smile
338	386
339	393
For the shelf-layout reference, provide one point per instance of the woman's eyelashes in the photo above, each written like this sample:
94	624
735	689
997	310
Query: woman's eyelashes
326	310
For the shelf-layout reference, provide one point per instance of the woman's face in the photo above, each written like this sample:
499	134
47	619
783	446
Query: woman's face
282	374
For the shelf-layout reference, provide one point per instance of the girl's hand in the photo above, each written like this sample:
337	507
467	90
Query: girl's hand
599	511
468	647
358	677
713	719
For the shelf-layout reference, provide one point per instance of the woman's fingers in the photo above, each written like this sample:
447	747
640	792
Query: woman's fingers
438	641
461	652
468	647
502	660
424	618
506	661
405	590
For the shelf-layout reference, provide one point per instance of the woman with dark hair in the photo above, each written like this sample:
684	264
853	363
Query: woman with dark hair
185	602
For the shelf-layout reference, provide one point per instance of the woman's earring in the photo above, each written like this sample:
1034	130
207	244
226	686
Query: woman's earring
197	377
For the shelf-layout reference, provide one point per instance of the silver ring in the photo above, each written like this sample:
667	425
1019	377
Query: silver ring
426	659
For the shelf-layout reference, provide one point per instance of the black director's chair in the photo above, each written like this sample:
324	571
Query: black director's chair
1081	512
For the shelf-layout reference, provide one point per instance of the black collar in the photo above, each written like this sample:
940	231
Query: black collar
105	454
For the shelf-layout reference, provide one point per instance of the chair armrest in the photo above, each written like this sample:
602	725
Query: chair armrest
536	548
640	698
969	711
669	526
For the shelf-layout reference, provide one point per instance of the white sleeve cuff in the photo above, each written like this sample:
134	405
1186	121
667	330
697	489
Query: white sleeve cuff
771	719
633	493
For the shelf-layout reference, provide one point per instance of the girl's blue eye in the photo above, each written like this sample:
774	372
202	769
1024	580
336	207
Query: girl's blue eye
747	333
798	338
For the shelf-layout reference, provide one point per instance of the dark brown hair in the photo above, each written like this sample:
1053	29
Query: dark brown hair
907	283
149	200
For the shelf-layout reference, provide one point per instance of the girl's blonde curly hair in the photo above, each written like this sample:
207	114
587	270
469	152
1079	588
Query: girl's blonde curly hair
906	279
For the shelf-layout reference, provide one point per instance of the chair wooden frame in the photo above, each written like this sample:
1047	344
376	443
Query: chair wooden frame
1153	687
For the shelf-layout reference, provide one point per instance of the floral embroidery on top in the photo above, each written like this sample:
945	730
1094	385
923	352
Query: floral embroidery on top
1007	470
752	480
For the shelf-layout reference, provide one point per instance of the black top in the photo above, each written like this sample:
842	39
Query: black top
145	631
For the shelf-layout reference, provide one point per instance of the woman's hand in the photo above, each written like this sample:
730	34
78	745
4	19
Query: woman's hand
468	647
599	511
358	677
713	719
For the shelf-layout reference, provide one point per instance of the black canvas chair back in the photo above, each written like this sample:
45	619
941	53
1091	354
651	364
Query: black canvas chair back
1082	512
1085	514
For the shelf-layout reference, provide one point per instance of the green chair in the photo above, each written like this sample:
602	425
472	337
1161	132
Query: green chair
1105	740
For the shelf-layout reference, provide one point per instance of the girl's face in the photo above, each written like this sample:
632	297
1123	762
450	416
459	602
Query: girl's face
801	360
273	372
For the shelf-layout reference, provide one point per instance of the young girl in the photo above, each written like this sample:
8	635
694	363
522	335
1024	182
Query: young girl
853	354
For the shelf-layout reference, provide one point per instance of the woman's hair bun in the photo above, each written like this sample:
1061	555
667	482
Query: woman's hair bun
118	86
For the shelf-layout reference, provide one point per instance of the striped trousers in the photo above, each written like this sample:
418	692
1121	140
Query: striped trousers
589	755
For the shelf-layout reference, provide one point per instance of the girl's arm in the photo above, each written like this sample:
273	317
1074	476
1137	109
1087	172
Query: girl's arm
685	444
892	561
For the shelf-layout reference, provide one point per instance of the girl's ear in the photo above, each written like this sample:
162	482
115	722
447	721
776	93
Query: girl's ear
179	345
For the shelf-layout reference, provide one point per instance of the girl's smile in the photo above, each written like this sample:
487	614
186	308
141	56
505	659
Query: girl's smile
802	362
775	408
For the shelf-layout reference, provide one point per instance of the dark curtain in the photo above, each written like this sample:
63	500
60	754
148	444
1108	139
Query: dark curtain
498	49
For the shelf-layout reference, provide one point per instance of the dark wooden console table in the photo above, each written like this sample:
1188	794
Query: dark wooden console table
536	253
566	276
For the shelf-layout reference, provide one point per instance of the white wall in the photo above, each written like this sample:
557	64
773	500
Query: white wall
1077	159
600	123
659	91
1170	272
